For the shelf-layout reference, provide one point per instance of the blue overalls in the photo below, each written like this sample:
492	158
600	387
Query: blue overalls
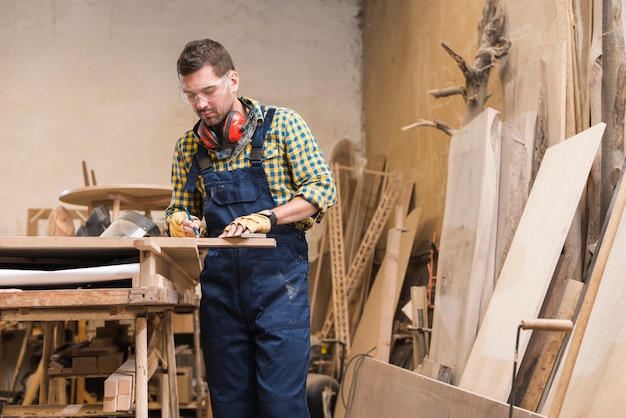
254	312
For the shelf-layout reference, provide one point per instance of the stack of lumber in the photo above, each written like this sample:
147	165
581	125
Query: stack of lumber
119	387
479	305
102	354
474	328
367	196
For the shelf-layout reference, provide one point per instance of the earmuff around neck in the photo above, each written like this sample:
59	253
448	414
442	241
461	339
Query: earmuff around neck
232	131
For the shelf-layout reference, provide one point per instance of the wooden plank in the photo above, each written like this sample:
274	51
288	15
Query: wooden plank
75	298
515	179
531	261
598	309
466	263
73	410
552	342
171	365
367	333
524	142
389	296
178	259
89	246
529	364
405	393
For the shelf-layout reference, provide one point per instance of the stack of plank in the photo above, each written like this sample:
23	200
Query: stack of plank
358	241
102	354
485	290
478	309
119	387
367	196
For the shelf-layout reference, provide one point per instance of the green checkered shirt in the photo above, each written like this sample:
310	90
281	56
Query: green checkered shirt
292	161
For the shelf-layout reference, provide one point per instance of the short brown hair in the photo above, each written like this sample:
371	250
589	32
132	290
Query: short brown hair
201	52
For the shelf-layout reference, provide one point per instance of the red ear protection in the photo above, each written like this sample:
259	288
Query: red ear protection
232	131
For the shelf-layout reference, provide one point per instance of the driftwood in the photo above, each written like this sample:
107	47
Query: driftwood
492	45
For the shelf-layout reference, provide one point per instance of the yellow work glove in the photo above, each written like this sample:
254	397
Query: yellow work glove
254	222
176	224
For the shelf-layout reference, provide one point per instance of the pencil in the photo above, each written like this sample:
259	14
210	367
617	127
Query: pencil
195	230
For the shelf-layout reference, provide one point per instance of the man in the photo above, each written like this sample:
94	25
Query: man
246	168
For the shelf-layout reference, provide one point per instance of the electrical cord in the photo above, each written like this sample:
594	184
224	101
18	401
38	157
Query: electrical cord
358	359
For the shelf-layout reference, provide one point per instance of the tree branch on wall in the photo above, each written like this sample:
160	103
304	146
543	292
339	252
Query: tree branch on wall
492	46
436	123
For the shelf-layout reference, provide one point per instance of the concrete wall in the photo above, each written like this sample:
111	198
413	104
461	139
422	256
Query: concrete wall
95	80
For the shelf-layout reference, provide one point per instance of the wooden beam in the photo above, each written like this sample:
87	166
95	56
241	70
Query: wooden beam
389	297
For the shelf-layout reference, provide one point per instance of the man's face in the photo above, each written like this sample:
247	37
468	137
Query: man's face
210	96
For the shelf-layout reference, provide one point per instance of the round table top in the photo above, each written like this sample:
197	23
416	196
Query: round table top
131	196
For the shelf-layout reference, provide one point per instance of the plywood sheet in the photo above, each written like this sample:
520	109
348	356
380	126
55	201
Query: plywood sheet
466	263
530	263
406	394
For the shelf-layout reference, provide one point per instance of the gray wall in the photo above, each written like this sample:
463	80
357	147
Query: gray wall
96	81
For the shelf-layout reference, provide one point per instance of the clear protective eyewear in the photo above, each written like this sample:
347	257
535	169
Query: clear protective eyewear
207	93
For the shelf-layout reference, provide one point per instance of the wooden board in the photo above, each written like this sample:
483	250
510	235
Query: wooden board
596	385
466	263
524	142
530	263
367	333
83	251
545	359
515	179
385	391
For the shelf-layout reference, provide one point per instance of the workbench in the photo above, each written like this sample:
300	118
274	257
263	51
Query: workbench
167	281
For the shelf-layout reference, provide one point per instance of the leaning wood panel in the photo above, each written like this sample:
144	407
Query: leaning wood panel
466	263
530	263
406	394
596	383
367	333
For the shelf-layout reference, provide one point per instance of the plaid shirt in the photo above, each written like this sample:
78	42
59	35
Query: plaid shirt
292	161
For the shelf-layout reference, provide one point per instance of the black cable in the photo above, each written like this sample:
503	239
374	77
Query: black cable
358	360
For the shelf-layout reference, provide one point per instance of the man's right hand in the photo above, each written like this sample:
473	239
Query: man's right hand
181	226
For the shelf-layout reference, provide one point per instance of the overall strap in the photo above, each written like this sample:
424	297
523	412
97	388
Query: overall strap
200	162
256	154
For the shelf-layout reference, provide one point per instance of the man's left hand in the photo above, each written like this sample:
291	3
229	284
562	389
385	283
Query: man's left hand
250	223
